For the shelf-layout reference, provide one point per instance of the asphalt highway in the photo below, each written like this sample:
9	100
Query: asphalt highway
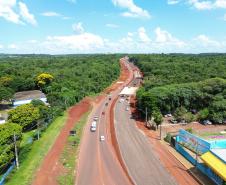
97	163
143	164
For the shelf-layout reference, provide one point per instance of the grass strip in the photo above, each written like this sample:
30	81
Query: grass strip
32	155
70	154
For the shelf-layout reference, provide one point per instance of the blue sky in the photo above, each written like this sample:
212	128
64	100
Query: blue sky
112	26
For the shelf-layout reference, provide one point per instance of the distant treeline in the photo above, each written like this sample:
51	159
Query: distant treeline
74	76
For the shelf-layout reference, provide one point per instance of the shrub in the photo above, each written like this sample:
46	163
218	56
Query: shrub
168	137
190	130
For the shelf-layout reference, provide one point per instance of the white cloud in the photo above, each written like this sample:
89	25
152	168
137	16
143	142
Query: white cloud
82	43
130	34
66	18
78	28
12	46
142	35
1	46
133	42
133	9
55	14
172	2
164	37
201	5
206	41
72	1
224	17
127	39
26	15
51	14
9	11
32	41
112	25
220	3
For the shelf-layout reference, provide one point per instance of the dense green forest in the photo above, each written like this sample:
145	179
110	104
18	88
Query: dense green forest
182	84
64	79
74	76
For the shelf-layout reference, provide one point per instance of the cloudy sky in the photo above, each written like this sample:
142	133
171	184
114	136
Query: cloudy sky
112	26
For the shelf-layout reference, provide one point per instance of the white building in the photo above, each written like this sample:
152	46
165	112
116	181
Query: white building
24	97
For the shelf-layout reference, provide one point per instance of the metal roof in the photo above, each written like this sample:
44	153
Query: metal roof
217	165
28	95
129	91
220	153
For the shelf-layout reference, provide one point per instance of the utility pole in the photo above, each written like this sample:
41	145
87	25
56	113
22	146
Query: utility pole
16	152
160	131
38	129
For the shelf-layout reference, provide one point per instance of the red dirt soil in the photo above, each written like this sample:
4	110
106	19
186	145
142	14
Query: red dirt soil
175	168
51	167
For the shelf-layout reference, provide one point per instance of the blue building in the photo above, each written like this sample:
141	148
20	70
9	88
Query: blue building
208	156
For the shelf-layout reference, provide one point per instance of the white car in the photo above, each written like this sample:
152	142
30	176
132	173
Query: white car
102	138
127	108
95	118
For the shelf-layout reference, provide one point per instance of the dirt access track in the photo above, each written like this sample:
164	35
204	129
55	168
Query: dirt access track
51	168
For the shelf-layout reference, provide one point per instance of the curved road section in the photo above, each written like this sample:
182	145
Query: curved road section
143	165
98	163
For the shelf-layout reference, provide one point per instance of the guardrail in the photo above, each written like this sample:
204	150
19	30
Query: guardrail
2	181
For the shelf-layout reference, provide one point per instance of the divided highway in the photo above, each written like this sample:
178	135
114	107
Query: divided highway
97	163
143	165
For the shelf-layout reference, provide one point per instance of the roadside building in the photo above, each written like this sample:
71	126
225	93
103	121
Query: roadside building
128	91
209	156
24	97
2	121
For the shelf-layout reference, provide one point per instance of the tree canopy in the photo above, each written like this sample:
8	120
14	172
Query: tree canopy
24	115
64	79
6	142
195	82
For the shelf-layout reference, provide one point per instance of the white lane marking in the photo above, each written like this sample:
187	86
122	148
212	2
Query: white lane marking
142	132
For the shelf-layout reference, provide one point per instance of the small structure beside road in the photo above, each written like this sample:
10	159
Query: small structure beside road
2	121
128	91
24	97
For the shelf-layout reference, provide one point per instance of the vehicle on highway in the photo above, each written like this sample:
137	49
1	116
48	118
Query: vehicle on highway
103	113
109	97
95	118
106	104
102	138
127	108
93	126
